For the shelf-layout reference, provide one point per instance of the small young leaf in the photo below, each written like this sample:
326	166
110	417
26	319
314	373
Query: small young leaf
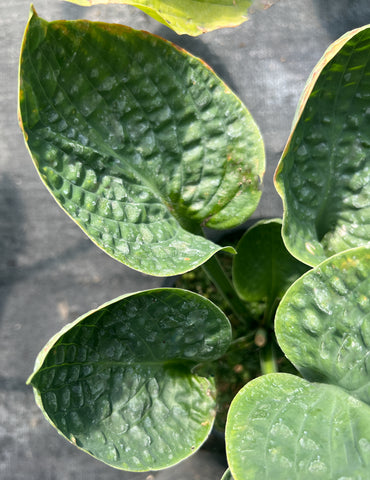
192	17
118	382
322	324
282	427
137	140
323	175
263	269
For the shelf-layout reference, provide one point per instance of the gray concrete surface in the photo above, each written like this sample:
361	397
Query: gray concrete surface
50	273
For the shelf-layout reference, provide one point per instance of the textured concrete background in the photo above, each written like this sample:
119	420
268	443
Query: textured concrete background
50	273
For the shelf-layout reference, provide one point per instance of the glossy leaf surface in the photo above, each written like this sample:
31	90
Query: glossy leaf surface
138	141
324	174
328	310
118	381
192	17
282	427
263	269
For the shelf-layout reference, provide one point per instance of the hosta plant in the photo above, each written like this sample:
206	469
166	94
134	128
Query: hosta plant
143	146
283	426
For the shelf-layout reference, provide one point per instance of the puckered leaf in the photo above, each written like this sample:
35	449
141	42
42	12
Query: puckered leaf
324	174
192	17
282	427
138	141
323	323
118	382
263	269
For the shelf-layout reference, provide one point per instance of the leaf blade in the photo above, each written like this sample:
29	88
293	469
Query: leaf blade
263	269
328	309
118	384
123	149
282	426
323	176
198	17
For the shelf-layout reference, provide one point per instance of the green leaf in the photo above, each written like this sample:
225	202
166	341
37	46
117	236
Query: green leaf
137	140
118	382
328	310
283	427
324	176
227	475
263	269
192	17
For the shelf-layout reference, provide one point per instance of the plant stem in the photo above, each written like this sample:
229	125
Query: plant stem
246	339
268	360
270	310
242	343
218	277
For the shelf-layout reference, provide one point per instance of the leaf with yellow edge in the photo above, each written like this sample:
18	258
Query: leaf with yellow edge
193	17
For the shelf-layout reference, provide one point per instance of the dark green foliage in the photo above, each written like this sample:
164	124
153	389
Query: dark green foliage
118	382
143	146
140	150
323	176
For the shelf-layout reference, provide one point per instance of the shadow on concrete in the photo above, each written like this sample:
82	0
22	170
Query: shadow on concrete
340	17
12	238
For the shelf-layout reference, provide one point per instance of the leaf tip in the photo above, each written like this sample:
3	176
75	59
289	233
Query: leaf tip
29	379
230	249
33	12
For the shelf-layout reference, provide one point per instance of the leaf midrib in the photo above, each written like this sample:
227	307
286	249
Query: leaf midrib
111	363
